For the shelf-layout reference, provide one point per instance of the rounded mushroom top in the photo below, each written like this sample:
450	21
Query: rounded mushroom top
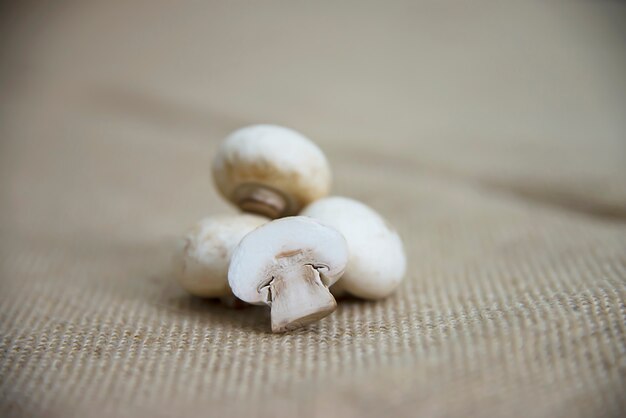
377	260
279	160
282	244
203	255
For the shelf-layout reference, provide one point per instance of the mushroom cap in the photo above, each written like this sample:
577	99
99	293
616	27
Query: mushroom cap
276	157
377	259
296	240
203	254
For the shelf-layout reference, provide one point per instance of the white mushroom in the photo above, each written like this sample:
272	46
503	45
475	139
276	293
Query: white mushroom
377	260
289	264
203	255
270	170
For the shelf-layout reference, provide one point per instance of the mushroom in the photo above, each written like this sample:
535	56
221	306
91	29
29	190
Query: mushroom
203	255
270	170
289	264
377	260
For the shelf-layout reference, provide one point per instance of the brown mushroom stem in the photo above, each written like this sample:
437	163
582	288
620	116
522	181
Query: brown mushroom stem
263	200
298	297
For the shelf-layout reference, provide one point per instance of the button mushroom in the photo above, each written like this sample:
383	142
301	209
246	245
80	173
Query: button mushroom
289	264
377	260
270	170
203	256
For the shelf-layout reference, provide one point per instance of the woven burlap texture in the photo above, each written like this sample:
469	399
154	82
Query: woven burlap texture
506	187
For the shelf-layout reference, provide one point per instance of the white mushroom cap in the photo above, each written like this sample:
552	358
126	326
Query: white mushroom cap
289	264
203	255
270	170
377	260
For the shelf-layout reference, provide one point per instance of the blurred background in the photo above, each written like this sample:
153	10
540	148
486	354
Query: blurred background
527	96
473	126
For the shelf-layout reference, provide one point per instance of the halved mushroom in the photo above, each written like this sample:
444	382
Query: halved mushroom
289	264
270	170
377	260
203	256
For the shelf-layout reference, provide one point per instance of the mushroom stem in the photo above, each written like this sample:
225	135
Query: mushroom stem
263	200
298	297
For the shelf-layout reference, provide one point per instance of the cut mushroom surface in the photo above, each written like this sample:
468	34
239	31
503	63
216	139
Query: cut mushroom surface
289	264
203	255
377	260
270	170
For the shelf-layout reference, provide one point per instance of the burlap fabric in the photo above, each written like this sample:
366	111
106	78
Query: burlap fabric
491	135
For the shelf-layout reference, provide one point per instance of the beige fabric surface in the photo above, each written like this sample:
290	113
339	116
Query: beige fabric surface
491	134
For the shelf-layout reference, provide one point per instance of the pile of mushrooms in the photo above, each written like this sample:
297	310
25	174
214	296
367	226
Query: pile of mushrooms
293	242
